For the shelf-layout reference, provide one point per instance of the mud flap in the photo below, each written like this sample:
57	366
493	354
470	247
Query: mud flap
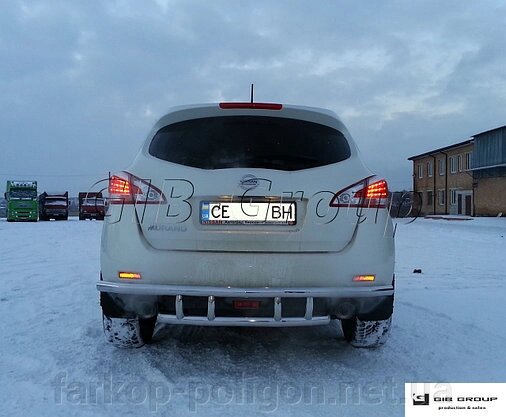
122	332
127	306
382	311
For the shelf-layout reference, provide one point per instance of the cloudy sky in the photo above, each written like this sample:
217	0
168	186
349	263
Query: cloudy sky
81	82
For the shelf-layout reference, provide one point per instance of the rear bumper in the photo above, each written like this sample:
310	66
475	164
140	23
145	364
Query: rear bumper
91	216
58	213
268	292
313	306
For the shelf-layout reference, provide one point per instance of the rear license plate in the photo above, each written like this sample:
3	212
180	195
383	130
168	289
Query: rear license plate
283	214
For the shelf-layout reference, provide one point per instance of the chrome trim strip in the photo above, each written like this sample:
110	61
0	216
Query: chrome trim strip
266	292
244	321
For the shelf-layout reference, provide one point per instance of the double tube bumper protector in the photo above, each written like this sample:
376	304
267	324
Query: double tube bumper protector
277	294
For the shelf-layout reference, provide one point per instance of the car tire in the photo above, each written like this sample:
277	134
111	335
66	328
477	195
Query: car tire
128	332
366	334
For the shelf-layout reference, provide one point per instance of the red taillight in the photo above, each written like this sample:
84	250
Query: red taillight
258	106
368	193
378	189
120	186
246	304
126	188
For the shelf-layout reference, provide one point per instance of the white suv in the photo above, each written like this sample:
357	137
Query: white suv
247	214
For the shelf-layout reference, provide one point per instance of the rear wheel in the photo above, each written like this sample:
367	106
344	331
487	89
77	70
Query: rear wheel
128	332
366	334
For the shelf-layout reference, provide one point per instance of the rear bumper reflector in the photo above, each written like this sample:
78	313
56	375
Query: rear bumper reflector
364	278
129	275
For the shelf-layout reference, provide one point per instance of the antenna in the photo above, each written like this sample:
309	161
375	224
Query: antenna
251	93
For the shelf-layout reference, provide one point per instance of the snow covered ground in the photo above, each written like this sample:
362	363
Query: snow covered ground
54	361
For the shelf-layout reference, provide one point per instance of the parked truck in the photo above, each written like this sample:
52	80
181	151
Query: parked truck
91	206
22	204
54	206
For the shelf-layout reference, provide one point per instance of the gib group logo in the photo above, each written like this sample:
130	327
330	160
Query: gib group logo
455	399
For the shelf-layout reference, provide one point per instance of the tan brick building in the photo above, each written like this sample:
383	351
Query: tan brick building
467	178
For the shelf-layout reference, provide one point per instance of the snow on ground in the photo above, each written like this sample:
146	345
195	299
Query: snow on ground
54	361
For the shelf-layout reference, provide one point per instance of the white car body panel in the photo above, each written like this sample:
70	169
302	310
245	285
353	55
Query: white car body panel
367	253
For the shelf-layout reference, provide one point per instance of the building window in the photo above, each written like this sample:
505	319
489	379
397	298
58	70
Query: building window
442	167
430	198
429	169
459	159
453	196
468	160
420	171
441	197
453	165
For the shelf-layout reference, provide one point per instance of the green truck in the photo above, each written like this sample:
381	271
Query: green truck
22	203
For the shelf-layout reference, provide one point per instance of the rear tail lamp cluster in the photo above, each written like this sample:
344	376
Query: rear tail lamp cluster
125	188
371	192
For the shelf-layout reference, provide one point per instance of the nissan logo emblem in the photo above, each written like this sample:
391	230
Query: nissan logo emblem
248	182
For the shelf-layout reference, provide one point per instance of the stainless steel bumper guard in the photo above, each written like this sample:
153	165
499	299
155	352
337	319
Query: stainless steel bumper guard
276	293
276	321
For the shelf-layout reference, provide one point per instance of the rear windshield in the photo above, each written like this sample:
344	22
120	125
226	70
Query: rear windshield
249	142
